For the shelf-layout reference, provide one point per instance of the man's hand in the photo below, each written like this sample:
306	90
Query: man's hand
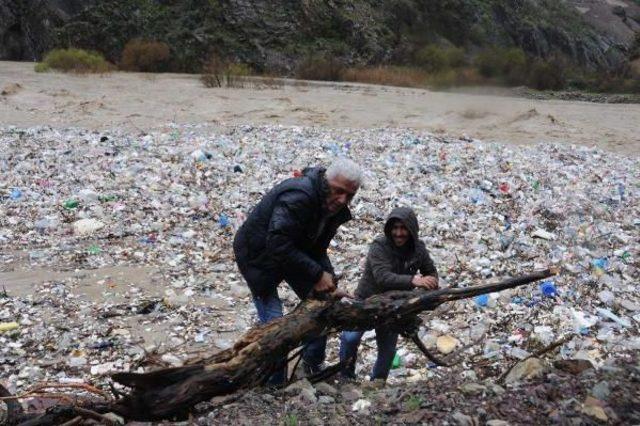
339	294
428	282
325	284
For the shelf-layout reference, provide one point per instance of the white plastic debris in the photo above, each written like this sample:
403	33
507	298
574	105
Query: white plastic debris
118	231
172	359
87	226
541	233
610	315
361	405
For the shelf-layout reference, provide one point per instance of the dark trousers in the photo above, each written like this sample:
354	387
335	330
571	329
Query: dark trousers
386	341
269	307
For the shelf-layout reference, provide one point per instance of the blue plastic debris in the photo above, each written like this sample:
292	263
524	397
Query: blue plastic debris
482	300
15	194
223	221
548	289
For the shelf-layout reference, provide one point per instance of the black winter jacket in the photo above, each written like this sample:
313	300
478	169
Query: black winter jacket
280	240
391	268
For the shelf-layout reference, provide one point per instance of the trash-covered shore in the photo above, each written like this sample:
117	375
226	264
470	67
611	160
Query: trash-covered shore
94	211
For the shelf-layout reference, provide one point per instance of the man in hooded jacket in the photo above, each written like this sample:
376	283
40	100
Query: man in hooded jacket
397	260
285	238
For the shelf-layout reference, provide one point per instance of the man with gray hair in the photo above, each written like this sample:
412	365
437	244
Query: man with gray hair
285	238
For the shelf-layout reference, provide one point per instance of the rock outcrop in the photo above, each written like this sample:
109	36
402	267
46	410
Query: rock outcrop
276	34
27	26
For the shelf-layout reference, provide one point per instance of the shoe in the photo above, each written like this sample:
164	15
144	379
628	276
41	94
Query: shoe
310	370
305	370
345	378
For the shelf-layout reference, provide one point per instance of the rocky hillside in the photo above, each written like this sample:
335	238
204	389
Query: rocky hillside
276	34
27	27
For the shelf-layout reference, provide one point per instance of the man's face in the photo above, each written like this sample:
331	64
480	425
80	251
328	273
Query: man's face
341	192
399	233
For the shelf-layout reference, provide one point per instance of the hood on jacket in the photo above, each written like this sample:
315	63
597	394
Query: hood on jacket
316	174
408	217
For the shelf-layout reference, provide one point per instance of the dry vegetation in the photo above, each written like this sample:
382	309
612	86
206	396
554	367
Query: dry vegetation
145	56
431	66
74	60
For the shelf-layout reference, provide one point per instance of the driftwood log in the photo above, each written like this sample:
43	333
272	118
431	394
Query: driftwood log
170	393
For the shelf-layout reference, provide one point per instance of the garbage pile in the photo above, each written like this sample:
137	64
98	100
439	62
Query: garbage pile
131	235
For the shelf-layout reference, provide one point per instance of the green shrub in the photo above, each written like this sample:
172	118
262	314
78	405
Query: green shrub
634	51
514	66
634	69
235	73
608	83
74	60
433	58
42	67
455	57
488	63
547	75
320	68
145	56
507	63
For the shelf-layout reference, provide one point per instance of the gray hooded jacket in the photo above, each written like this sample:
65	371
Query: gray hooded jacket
392	268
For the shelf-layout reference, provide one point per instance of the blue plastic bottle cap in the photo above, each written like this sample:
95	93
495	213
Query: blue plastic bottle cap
482	300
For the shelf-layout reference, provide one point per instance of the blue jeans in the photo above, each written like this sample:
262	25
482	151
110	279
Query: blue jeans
269	307
386	341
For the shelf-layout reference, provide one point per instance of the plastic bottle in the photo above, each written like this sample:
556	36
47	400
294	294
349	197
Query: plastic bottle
600	263
548	289
621	191
625	255
223	220
606	297
334	148
45	224
15	194
107	198
608	314
199	155
397	361
476	196
505	241
70	204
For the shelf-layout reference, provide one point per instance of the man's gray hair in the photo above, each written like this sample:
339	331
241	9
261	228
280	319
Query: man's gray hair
345	168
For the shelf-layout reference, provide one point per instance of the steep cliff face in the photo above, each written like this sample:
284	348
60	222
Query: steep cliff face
550	27
275	34
27	26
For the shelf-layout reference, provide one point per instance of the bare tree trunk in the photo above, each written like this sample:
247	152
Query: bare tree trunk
258	353
171	392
